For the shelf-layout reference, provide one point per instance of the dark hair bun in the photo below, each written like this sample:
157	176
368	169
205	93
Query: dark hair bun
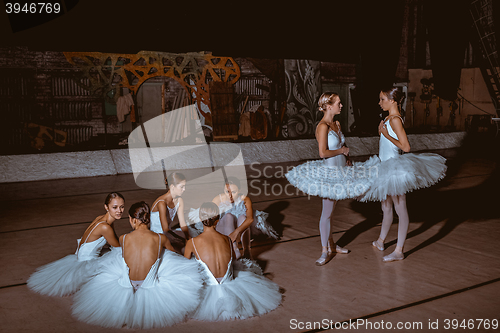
140	211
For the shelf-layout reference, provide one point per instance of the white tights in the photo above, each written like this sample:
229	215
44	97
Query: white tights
399	202
325	222
228	223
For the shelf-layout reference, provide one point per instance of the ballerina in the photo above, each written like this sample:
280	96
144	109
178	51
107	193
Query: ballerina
65	276
166	207
239	220
137	286
322	178
398	174
234	290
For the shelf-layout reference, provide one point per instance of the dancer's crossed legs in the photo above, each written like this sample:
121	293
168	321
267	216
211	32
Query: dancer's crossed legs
399	203
227	224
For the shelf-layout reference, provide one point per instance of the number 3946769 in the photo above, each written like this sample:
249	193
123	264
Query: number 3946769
32	8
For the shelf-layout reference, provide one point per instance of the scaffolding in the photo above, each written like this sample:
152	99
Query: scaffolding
482	18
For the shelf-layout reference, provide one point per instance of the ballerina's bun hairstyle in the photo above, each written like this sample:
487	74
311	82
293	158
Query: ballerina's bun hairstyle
325	99
209	214
140	211
394	93
111	196
175	178
233	181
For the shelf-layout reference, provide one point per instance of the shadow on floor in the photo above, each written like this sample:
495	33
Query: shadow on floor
432	206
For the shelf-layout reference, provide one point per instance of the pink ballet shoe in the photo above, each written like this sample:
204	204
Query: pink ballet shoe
394	256
324	259
378	246
341	250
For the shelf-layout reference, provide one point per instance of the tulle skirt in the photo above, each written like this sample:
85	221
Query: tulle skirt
372	180
403	174
259	224
317	178
62	277
248	294
109	300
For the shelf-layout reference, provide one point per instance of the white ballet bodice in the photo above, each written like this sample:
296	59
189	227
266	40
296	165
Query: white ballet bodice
387	149
212	280
155	224
90	250
151	278
335	141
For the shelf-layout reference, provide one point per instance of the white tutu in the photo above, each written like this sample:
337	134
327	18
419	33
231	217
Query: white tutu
248	294
109	300
404	173
62	277
66	275
259	223
334	182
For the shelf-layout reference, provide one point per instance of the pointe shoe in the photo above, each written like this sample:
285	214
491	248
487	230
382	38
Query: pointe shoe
341	250
378	246
324	259
394	256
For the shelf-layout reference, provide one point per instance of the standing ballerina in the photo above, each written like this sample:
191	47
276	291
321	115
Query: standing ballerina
166	207
398	174
139	285
322	177
66	275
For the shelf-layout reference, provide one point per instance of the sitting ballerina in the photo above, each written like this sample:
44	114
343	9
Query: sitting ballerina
398	174
65	276
137	286
238	219
234	290
323	177
166	207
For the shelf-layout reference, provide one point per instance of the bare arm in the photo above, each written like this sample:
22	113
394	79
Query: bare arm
236	234
162	209
322	138
402	141
182	221
109	233
166	243
188	250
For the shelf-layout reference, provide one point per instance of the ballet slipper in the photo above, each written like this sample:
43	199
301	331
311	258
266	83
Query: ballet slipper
324	259
377	245
394	256
341	250
338	249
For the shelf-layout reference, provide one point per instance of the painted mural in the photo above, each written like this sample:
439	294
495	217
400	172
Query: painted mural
303	87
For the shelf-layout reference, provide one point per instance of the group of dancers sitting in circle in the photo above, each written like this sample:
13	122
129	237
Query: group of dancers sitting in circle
148	280
157	275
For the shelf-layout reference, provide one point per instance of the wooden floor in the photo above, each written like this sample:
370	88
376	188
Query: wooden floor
451	274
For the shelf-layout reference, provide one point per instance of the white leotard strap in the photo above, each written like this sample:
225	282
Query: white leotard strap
156	204
390	117
86	238
123	246
159	246
194	246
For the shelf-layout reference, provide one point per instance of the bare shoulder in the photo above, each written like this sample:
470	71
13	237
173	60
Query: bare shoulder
396	120
217	200
322	126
